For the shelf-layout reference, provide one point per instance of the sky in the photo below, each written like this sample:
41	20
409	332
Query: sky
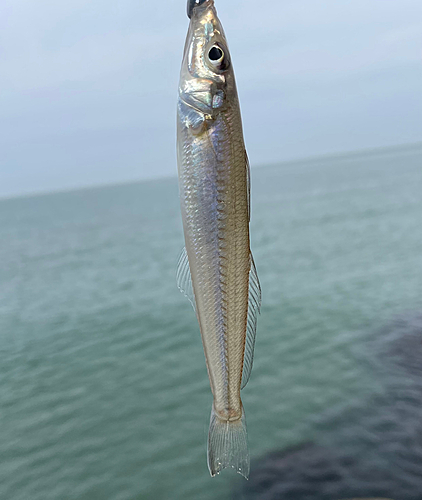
88	88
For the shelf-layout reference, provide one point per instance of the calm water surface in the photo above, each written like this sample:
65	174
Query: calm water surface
104	392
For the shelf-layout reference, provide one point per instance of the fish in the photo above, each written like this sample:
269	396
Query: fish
216	270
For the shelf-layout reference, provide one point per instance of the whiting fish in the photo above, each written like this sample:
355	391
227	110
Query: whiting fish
216	269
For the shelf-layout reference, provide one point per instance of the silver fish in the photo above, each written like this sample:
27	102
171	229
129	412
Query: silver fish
216	270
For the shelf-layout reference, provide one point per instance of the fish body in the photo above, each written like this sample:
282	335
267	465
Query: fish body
216	270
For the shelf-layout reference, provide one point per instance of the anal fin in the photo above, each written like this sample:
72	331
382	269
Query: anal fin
254	306
184	279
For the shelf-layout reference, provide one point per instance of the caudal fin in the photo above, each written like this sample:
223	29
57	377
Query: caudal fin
228	445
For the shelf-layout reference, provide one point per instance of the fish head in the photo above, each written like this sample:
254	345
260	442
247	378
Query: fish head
206	77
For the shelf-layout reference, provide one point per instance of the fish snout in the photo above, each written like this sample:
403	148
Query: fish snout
192	4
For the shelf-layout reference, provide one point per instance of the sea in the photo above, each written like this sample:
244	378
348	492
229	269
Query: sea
104	391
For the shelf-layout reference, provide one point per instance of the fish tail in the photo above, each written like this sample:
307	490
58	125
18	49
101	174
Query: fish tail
228	445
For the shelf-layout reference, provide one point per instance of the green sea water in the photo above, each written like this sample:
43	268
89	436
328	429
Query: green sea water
103	386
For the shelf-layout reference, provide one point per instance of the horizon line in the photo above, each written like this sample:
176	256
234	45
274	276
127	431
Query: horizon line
306	159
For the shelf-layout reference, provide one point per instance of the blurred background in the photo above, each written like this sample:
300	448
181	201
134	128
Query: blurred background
104	392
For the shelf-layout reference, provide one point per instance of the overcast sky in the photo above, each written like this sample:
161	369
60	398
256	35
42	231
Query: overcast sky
88	87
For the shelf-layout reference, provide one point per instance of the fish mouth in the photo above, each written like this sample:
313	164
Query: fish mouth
195	3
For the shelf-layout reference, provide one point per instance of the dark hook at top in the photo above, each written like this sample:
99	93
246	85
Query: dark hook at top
192	4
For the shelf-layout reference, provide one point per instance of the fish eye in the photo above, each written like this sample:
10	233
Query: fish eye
217	58
215	54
